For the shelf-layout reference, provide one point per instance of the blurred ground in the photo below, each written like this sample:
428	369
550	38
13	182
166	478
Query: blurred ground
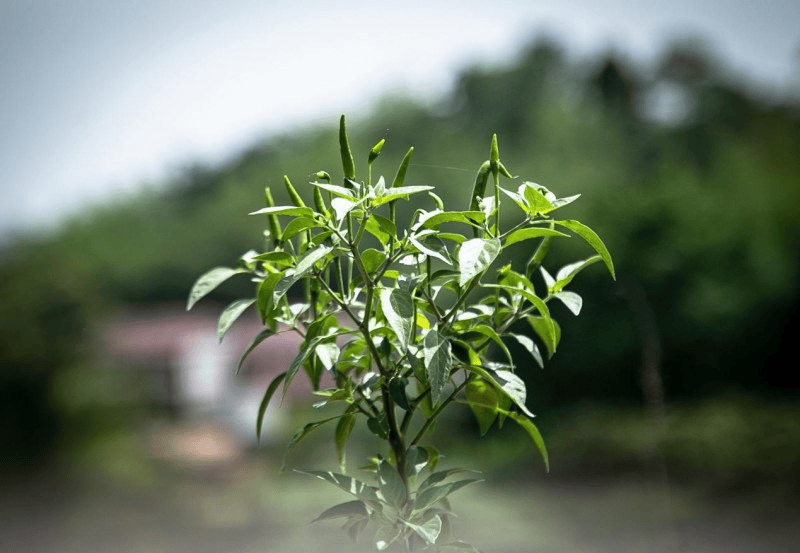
235	501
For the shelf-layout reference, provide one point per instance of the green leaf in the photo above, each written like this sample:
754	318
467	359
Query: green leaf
350	485
417	459
343	430
328	354
475	256
532	232
397	389
400	177
264	295
262	408
391	485
208	281
372	259
530	346
285	210
533	432
489	332
438	362
398	308
277	258
398	192
381	228
306	349
592	239
298	225
306	430
334	189
458	546
230	314
568	272
379	426
341	207
431	245
547	329
432	495
572	300
428	530
437	477
307	261
483	401
435	219
514	388
537	202
260	337
537	302
353	508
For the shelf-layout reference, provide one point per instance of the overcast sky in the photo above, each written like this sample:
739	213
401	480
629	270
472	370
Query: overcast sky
98	96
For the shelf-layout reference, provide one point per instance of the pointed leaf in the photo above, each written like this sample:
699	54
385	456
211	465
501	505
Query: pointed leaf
537	202
398	308
572	300
529	345
514	388
285	210
438	362
483	401
350	485
568	272
348	509
434	494
343	430
428	530
328	355
307	261
262	408
592	239
230	314
208	281
431	245
338	190
532	232
475	256
391	485
398	192
260	337
397	389
534	433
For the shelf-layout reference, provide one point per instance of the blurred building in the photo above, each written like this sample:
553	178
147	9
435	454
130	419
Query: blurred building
181	369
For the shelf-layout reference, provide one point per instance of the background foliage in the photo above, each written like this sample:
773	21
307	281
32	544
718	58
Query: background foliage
699	208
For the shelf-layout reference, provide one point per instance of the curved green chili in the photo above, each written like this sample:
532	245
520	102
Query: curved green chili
348	164
297	201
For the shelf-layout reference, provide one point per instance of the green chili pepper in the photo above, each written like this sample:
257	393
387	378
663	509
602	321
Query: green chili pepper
401	171
274	224
376	150
319	203
348	164
297	201
480	185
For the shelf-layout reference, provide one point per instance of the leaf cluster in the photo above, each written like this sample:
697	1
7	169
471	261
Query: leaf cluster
402	320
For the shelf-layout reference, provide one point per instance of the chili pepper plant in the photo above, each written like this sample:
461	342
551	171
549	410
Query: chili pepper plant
401	320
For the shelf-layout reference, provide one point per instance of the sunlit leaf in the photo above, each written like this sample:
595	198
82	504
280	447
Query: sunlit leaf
438	362
475	256
208	281
572	300
398	308
592	239
262	408
285	210
428	530
230	314
531	232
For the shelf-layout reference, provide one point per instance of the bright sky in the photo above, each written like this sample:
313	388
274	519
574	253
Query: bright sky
98	96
